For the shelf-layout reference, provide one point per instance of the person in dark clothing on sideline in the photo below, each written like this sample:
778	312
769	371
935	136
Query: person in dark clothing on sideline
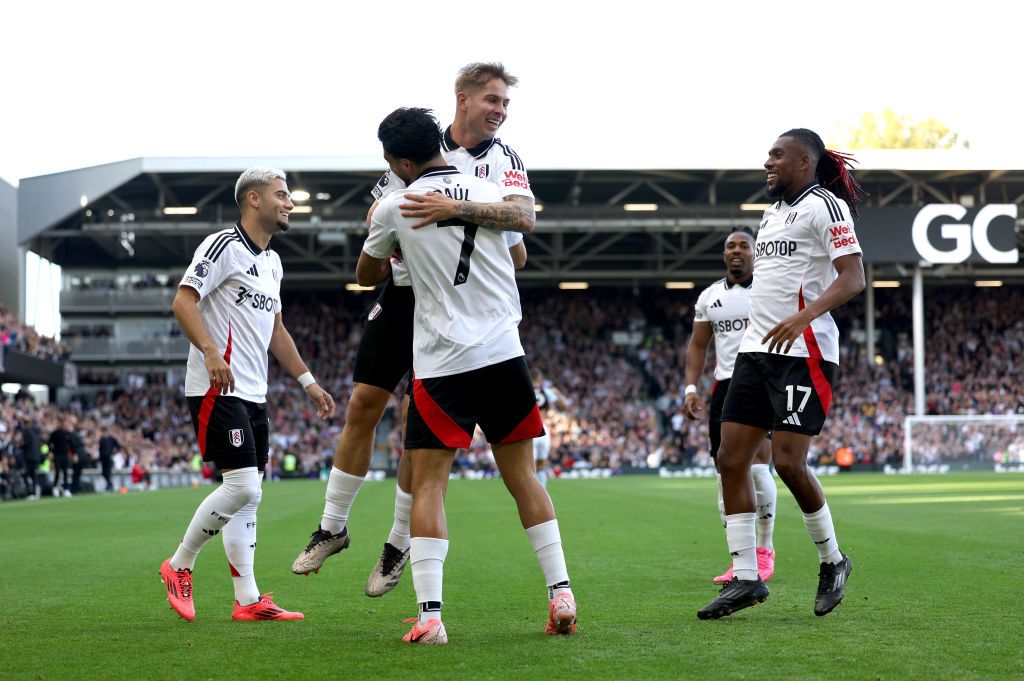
80	458
31	443
60	450
108	446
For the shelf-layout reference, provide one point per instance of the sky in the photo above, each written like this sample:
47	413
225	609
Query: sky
642	84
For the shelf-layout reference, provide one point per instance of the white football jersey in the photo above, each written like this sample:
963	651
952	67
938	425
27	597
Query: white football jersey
793	255
239	287
727	308
467	303
490	160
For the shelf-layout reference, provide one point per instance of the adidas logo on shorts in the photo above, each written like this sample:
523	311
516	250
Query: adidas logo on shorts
793	419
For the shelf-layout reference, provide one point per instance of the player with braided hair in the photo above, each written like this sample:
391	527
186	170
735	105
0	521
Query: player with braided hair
807	261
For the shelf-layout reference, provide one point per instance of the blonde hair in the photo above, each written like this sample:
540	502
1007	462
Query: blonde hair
474	76
256	177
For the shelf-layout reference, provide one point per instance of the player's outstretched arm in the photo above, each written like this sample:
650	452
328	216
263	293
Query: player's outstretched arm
186	310
282	345
696	355
849	282
515	214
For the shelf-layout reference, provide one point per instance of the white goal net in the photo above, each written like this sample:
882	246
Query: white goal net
986	441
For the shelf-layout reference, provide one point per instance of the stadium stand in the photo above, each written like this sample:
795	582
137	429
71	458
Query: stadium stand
126	230
618	357
19	336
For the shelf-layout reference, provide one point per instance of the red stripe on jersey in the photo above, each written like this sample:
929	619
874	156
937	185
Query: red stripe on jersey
820	383
810	341
204	417
529	428
208	401
227	350
440	424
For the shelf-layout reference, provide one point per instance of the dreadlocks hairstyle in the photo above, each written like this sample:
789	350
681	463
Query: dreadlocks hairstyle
833	168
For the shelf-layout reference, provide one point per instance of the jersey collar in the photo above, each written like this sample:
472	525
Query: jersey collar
438	170
801	194
249	243
448	143
750	282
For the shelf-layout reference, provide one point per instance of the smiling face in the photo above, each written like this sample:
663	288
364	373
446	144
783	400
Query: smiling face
273	203
484	109
788	168
739	256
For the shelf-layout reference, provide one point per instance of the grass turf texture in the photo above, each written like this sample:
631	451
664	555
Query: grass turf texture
935	592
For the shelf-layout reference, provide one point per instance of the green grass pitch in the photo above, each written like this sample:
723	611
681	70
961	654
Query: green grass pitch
936	591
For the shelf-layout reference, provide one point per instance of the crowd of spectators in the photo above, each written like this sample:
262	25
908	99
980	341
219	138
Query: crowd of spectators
17	335
619	359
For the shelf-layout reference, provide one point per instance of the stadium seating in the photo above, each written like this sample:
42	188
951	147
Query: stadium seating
619	358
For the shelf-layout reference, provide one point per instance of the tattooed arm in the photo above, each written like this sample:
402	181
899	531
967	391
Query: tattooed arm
515	214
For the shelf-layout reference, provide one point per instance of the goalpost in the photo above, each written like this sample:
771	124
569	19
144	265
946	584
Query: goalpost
986	439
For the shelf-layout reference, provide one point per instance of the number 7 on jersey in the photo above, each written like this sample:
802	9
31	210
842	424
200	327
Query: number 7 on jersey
468	244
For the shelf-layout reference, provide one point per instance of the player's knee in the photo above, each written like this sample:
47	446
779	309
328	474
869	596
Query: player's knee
732	462
242	486
790	469
365	407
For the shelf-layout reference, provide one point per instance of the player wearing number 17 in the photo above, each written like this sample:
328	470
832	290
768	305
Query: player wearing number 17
468	364
806	262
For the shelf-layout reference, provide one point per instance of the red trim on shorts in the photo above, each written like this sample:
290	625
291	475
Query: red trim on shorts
440	424
820	383
208	401
810	341
529	428
714	386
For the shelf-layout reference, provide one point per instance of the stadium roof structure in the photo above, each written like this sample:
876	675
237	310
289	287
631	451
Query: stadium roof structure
594	224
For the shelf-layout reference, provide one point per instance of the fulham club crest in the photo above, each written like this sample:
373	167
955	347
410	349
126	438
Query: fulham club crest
236	436
483	171
791	218
375	312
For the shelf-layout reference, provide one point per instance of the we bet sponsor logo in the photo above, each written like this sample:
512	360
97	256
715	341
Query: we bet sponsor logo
516	178
842	235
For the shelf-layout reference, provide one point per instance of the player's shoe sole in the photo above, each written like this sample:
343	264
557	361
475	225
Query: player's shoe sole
831	585
263	609
179	590
561	615
431	633
736	595
322	545
387	572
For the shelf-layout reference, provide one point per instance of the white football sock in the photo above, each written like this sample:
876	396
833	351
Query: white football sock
399	537
765	495
819	526
739	531
342	489
426	556
240	546
547	544
216	510
721	500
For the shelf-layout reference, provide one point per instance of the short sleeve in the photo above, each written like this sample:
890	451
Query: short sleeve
210	264
835	228
700	310
388	183
383	236
511	176
512	238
